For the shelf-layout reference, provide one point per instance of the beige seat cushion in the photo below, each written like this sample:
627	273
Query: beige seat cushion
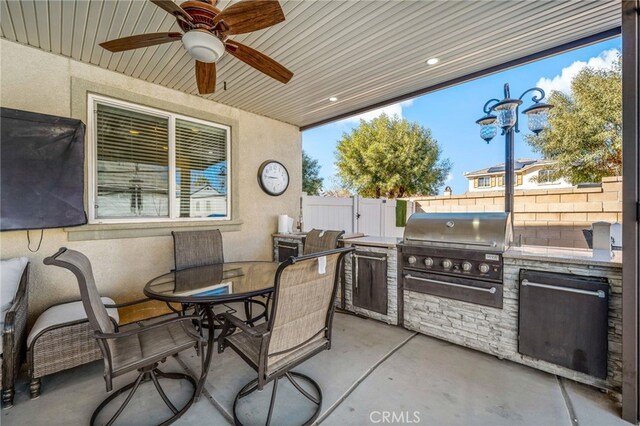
64	313
151	345
250	346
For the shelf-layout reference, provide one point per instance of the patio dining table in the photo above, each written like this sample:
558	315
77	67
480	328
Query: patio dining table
206	286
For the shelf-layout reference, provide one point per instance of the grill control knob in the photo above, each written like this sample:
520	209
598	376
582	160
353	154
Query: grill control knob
484	268
411	260
428	261
466	266
446	264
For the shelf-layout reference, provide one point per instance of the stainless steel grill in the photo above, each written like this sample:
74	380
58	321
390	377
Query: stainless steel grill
470	231
456	255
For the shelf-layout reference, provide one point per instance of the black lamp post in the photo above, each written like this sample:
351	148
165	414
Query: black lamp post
503	114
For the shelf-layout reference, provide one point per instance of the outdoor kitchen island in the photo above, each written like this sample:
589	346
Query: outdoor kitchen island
495	331
488	322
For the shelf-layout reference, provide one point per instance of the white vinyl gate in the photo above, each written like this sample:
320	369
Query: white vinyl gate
369	216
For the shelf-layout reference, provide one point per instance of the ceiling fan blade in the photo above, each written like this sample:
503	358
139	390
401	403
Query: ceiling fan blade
251	15
140	40
172	8
259	61
206	77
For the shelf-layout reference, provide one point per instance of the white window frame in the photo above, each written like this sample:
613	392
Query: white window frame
549	182
92	101
488	178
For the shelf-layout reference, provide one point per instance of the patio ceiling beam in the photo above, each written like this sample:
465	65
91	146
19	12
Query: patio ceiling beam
585	41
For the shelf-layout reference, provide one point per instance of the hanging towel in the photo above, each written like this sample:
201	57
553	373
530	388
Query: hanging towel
401	213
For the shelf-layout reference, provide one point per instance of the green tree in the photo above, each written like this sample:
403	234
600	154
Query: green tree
391	157
585	127
311	181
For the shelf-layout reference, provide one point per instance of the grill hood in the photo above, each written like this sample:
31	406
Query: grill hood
470	231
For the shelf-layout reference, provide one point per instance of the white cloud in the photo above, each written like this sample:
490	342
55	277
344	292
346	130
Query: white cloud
449	177
605	60
390	110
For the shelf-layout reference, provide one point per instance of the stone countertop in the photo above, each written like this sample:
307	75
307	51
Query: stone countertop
563	255
389	242
298	235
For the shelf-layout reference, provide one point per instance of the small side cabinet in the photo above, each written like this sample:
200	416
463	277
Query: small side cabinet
284	249
370	281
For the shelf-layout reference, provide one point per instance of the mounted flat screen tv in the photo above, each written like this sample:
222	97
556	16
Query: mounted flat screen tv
41	171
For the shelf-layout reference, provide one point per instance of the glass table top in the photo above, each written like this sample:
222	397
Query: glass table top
214	283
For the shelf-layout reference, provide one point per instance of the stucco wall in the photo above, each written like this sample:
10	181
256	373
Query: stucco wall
34	80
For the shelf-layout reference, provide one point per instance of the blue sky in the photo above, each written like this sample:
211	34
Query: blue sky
451	114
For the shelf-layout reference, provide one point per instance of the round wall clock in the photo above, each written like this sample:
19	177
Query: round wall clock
273	177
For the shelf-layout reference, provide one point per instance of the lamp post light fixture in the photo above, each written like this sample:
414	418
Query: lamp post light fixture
503	114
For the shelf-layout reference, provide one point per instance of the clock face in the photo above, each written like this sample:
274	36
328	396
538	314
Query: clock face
273	177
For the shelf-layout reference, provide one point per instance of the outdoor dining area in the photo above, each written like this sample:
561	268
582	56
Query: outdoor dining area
161	261
248	343
286	313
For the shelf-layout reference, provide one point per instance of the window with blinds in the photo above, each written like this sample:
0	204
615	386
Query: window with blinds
153	165
201	170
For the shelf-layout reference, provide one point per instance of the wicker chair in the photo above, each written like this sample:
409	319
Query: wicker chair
14	334
60	339
199	248
299	326
319	240
141	348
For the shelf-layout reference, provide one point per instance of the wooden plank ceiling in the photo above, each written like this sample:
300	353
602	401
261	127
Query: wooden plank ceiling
362	52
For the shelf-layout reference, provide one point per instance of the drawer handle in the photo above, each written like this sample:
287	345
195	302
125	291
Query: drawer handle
360	256
600	293
470	243
491	290
289	246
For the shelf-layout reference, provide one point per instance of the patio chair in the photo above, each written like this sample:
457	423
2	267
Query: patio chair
141	348
319	240
299	326
200	248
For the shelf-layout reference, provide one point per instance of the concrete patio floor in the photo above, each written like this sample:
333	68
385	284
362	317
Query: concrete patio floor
372	368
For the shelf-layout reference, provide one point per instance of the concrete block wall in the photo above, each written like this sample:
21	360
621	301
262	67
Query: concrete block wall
495	331
546	217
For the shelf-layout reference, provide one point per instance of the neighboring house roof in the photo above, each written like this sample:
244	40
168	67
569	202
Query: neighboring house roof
205	191
521	164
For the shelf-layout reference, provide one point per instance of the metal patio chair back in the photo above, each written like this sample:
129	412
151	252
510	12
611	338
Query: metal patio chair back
299	326
201	248
197	248
318	240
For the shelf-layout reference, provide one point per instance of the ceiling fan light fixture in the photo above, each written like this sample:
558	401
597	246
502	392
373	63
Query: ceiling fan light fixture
203	46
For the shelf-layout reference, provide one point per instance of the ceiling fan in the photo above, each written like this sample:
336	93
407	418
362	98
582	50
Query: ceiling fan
206	30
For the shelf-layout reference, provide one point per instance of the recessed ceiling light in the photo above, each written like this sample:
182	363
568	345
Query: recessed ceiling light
333	99
432	61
